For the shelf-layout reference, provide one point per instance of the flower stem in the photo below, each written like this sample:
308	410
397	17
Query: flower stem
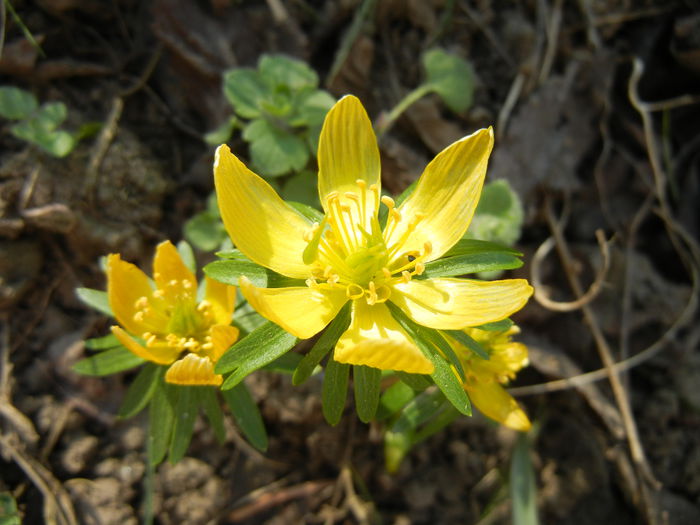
402	106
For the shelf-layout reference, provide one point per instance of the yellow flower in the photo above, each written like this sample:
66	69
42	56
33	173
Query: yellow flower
348	256
484	377
177	330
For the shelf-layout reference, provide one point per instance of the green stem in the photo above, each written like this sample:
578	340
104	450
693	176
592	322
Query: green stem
402	106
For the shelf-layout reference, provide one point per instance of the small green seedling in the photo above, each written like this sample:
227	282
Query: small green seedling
280	111
37	124
448	75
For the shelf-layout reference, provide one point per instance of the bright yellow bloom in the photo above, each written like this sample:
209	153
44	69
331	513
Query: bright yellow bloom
177	330
350	257
484	377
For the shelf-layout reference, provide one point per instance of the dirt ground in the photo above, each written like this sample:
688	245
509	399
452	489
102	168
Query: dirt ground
596	107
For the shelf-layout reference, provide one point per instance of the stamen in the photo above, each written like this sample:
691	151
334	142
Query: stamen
141	303
138	316
371	293
388	202
354	291
420	268
405	276
386	272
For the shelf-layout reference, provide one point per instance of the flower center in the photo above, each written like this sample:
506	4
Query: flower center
348	248
174	319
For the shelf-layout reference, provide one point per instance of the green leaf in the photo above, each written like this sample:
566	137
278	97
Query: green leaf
499	215
16	103
523	488
206	231
302	188
107	362
451	77
367	383
102	343
417	411
467	246
260	347
443	376
446	415
323	345
9	515
141	390
247	415
439	342
312	107
244	90
496	326
417	382
274	151
210	403
466	264
394	399
96	299
161	419
396	446
186	411
222	133
280	70
284	364
468	342
229	271
334	391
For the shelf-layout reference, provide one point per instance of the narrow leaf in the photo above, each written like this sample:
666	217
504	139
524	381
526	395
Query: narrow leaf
417	382
523	489
102	343
96	299
323	345
467	246
212	409
186	411
469	342
260	347
247	415
161	420
334	392
284	364
497	326
229	271
418	410
466	264
107	362
141	390
367	383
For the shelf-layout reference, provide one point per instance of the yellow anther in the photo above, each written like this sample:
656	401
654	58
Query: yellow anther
151	341
311	282
203	306
386	272
186	284
395	215
327	271
159	294
427	248
141	303
371	293
405	276
352	196
420	268
334	278
374	188
354	291
388	202
138	317
208	347
361	183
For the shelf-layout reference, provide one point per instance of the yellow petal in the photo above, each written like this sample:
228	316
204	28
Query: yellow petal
494	402
170	273
301	310
375	339
127	284
161	354
221	298
193	370
453	304
259	223
446	196
222	337
347	151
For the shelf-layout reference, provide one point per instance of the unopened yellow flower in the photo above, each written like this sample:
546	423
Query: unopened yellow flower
350	256
484	377
176	329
